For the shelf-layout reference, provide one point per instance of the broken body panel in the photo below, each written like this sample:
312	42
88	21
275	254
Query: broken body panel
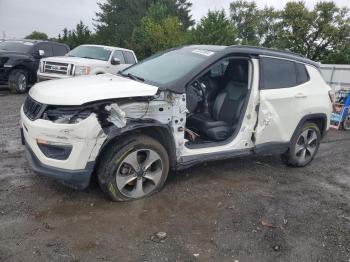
117	105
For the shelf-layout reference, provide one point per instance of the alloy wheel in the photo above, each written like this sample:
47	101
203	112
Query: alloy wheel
139	173
306	146
22	82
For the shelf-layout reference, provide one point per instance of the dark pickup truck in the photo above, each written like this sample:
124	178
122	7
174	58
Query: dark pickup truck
19	61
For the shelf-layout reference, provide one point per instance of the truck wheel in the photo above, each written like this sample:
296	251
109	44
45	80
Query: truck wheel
18	81
136	168
346	123
303	146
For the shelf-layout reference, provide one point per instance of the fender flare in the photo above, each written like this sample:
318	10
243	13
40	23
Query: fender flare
311	117
142	126
281	147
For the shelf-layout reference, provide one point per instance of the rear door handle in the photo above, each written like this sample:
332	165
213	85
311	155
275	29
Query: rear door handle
300	95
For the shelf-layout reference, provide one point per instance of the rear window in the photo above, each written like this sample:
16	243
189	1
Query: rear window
129	58
277	73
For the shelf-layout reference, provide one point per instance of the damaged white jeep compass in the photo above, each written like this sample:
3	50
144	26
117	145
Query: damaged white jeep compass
176	109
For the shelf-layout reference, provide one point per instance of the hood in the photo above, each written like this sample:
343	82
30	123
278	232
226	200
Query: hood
85	89
11	53
75	60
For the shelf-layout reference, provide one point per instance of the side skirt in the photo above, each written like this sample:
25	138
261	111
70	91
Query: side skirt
271	148
189	161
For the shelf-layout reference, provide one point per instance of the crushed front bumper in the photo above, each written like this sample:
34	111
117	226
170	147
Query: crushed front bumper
77	179
85	138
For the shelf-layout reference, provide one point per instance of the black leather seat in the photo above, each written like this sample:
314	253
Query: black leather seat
227	109
220	123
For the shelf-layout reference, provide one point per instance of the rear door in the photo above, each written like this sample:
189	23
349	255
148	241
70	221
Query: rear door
283	100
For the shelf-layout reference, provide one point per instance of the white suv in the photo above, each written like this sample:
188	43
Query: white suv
176	109
86	60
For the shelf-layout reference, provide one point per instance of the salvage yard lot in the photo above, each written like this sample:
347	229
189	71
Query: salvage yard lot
246	209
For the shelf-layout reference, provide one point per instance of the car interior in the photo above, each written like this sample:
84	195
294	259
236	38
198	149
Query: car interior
215	102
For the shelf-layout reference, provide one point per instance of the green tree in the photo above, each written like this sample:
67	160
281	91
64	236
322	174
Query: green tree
35	35
157	31
78	36
117	19
215	28
268	26
245	17
314	33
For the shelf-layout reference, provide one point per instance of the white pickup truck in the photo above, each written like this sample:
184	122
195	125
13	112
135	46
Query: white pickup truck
86	60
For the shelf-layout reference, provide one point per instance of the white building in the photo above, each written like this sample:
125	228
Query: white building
337	76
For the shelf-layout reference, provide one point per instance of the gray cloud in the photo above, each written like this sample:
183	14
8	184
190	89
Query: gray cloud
20	17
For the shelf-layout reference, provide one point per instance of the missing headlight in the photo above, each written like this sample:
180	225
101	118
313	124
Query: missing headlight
68	115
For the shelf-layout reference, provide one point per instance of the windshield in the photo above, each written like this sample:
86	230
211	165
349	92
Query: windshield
16	46
91	52
166	67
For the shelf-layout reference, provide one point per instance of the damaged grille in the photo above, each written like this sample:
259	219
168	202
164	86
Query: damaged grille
57	68
32	109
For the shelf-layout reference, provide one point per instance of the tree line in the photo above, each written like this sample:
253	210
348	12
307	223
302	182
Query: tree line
149	26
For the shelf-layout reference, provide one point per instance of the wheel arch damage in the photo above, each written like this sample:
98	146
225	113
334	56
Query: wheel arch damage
153	128
96	126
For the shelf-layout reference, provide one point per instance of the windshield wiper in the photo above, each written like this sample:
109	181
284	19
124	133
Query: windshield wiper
87	57
133	77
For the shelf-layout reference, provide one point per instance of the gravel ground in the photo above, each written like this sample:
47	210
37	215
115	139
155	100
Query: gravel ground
246	209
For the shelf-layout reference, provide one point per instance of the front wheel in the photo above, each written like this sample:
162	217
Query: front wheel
304	146
137	167
18	81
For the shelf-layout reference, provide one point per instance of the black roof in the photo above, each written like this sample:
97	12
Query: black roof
253	50
256	51
215	54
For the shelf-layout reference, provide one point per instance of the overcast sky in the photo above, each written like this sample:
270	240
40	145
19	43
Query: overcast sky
19	18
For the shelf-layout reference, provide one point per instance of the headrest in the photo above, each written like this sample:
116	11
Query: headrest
236	90
237	70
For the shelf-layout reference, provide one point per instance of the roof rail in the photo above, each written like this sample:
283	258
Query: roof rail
267	49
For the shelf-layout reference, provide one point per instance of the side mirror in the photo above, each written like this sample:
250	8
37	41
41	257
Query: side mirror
115	61
41	53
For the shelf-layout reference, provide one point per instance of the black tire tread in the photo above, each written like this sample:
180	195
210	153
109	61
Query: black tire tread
13	80
106	164
288	158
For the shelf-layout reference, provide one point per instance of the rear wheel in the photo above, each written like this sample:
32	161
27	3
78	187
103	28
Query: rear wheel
18	81
304	146
135	169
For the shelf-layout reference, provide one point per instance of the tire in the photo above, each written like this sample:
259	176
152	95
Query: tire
304	146
18	81
346	123
123	179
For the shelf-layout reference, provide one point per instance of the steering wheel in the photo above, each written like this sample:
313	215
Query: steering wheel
200	89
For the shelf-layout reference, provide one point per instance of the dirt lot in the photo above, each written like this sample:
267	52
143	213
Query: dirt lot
247	209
